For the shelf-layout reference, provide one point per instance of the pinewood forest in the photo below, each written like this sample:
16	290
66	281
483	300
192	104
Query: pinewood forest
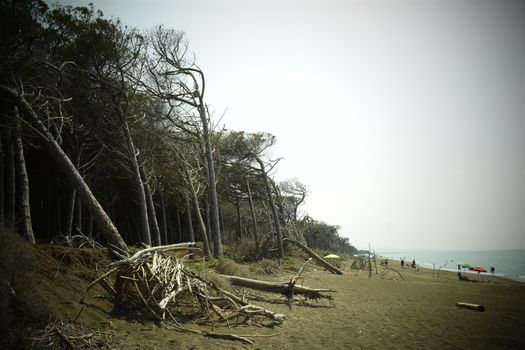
109	157
105	133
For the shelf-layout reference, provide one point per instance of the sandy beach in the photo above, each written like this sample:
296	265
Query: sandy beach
380	312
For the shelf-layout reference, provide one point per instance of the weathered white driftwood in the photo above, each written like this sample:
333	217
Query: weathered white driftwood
470	306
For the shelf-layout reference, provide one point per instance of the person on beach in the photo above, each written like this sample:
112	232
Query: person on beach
403	264
492	270
413	263
459	268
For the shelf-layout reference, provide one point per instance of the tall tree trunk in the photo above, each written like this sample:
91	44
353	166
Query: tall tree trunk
11	181
139	185
214	203
2	188
254	218
191	233
163	218
70	211
280	205
221	217
23	186
207	216
79	215
238	224
205	242
152	216
71	203
71	173
179	228
172	235
272	207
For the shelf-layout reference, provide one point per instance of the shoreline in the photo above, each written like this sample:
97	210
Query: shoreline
482	277
509	264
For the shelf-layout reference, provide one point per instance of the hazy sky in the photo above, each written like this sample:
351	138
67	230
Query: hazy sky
406	119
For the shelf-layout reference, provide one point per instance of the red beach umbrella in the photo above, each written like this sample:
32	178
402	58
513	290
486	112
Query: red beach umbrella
478	269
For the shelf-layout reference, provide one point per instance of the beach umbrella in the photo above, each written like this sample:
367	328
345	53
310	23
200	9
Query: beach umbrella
478	269
466	265
332	256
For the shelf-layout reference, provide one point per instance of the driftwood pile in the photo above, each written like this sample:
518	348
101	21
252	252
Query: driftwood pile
66	335
152	279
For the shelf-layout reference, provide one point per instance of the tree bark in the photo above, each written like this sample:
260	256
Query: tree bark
71	203
171	231
163	218
216	231
470	306
179	228
238	223
254	218
78	208
272	207
208	219
152	216
221	219
277	287
139	185
205	242
191	233
70	211
11	181
104	223
23	186
316	257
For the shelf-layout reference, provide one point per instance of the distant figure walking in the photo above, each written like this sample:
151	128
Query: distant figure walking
403	264
413	263
492	270
459	268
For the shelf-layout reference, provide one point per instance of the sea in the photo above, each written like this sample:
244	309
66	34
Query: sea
507	263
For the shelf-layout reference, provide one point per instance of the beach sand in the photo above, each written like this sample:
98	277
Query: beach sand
417	312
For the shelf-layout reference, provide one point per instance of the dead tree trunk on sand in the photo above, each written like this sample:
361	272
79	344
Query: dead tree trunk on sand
281	288
316	257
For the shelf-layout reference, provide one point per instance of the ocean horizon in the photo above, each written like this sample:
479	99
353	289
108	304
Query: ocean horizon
509	263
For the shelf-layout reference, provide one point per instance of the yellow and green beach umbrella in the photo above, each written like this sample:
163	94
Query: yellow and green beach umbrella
331	256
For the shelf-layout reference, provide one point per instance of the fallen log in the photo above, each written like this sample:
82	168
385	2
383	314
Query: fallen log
282	288
470	306
316	257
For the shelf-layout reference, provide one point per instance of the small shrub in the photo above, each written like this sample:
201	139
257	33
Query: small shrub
242	251
217	280
287	262
210	263
229	267
265	267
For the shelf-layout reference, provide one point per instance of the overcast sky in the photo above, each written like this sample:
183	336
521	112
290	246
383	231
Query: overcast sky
406	119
